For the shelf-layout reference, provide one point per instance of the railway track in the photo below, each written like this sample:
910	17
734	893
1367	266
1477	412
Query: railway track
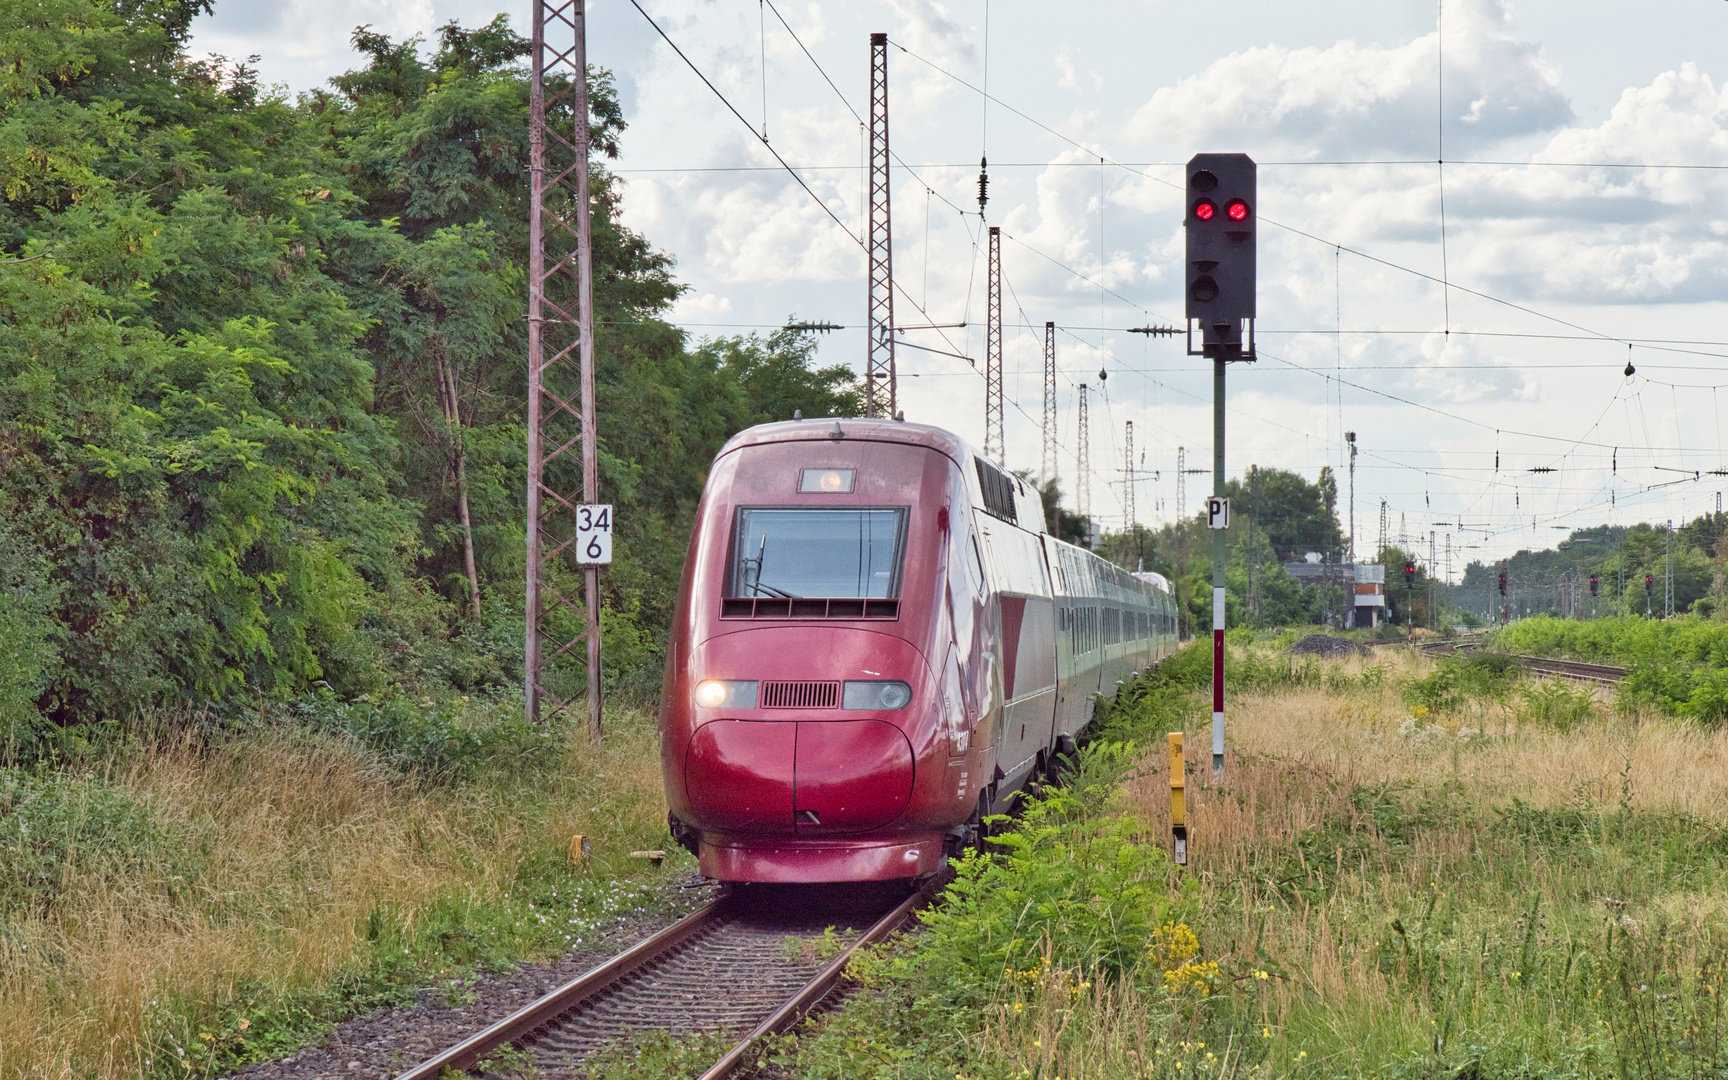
749	965
1573	669
1577	670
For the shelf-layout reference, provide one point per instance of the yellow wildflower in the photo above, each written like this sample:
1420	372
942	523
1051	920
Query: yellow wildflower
1173	945
1200	978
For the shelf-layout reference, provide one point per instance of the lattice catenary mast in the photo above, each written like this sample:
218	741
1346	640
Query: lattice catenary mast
993	447
1181	482
1050	464
1128	479
561	435
879	390
1083	466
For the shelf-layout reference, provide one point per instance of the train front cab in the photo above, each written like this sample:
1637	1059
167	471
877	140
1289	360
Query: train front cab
832	697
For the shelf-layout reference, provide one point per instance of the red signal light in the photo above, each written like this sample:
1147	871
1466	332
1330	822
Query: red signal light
1205	209
1236	210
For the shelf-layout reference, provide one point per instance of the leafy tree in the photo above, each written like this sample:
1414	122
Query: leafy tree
262	371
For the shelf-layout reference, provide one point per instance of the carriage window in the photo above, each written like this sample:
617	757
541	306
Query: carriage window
832	554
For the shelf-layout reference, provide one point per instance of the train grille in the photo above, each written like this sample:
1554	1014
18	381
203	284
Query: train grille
800	695
744	607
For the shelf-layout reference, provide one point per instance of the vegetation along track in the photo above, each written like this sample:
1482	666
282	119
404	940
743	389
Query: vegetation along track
1541	665
750	964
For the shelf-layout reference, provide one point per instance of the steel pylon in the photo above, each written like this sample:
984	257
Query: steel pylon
880	398
1050	463
993	440
561	433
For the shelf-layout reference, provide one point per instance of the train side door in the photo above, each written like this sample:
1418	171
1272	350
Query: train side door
1022	600
973	622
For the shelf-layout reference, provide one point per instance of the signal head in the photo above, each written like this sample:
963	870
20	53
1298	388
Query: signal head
1219	271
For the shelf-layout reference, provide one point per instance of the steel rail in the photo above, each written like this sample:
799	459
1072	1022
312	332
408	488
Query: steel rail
464	1056
1574	669
799	1005
1580	670
523	1025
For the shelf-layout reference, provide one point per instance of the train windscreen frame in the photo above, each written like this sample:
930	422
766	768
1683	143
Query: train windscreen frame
850	552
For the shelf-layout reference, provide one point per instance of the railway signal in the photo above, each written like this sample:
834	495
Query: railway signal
1409	574
1219	284
1219	277
1595	584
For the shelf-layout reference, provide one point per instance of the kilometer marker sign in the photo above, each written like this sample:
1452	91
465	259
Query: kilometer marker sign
594	534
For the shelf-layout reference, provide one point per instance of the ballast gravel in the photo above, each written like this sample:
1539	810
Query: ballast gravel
1326	645
381	1044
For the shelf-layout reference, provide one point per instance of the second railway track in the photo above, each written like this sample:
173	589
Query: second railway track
748	965
1576	670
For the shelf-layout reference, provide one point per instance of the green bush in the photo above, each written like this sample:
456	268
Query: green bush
448	740
1678	665
56	830
1457	681
1557	703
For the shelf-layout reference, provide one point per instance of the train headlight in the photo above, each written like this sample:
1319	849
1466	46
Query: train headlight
875	695
726	693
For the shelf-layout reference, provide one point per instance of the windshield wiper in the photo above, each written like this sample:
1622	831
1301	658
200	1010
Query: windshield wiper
757	586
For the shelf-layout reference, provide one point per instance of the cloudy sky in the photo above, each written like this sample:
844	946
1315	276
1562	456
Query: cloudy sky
1585	194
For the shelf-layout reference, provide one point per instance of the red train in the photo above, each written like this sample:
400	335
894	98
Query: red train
877	643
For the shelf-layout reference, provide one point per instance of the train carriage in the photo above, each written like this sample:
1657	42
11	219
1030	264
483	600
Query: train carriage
876	643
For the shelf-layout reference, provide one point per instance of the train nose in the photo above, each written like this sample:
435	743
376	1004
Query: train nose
798	777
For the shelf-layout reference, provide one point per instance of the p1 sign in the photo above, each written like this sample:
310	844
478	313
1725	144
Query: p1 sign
1217	512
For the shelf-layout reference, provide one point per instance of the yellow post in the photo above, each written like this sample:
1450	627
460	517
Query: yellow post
1178	801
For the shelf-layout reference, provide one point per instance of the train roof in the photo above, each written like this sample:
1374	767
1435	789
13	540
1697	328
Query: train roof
1153	578
1007	496
870	430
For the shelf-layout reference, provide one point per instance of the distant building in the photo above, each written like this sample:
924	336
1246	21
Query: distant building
1363	584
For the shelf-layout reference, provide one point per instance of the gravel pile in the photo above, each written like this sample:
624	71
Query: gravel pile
1327	646
381	1044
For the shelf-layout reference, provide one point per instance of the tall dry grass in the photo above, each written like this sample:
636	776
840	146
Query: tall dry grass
1396	894
297	843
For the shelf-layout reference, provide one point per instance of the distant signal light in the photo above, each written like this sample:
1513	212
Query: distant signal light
1236	210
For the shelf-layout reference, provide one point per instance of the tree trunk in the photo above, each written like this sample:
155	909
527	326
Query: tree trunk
447	392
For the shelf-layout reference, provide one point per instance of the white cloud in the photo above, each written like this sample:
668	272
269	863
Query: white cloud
304	42
691	305
1350	100
1065	75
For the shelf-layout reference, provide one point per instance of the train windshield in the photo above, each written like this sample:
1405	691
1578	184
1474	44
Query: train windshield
828	553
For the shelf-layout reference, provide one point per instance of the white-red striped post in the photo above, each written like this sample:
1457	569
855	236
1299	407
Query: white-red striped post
1218	554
